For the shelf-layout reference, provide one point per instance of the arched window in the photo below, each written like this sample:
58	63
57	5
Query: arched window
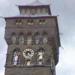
40	56
29	38
37	38
13	38
30	21
18	22
16	56
21	38
42	21
45	38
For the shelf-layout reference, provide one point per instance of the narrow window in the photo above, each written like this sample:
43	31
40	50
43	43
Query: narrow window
37	38
13	38
45	38
21	38
45	11
28	11
23	12
29	39
33	11
38	11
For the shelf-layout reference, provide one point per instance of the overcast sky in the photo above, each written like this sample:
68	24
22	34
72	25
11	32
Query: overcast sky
65	10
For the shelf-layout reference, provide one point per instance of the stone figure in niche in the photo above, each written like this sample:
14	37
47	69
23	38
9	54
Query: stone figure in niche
16	58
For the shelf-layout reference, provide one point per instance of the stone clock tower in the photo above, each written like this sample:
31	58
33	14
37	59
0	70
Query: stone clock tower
33	41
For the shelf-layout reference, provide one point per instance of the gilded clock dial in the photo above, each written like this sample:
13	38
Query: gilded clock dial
28	53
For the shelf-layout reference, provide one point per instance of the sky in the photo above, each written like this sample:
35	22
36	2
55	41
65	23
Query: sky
65	10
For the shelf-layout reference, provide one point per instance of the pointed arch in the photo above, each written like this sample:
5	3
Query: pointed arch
37	38
44	37
29	38
21	38
13	38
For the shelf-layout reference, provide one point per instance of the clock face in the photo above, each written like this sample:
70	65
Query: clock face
28	53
